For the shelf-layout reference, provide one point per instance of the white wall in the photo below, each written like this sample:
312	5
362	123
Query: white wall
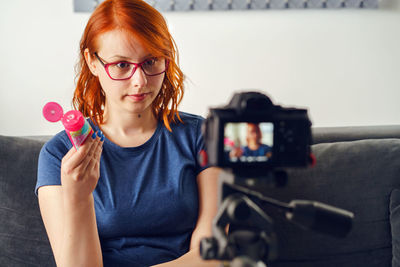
343	65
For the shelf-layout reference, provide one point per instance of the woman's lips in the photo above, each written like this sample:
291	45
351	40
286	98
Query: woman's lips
138	97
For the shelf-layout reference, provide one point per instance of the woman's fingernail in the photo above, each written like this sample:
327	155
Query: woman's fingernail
102	137
94	135
99	133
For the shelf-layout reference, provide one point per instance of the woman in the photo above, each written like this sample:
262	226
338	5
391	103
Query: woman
254	147
133	194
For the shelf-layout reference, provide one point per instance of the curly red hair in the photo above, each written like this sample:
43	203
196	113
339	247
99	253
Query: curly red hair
150	28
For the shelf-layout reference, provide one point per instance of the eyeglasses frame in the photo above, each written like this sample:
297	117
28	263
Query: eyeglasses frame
137	65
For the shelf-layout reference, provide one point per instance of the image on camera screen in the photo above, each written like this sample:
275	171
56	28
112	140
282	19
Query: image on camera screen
248	142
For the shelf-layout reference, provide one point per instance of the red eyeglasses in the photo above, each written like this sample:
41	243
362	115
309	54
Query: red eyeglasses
124	70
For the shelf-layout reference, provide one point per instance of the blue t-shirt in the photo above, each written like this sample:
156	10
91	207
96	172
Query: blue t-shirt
261	151
146	199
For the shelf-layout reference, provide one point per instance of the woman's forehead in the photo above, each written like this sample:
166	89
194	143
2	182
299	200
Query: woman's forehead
121	43
251	126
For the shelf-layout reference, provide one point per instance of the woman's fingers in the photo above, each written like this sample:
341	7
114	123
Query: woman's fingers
93	155
94	163
75	158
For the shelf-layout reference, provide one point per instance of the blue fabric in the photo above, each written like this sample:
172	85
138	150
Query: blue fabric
261	151
146	199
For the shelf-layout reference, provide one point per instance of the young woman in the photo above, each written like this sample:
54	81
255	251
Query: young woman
254	145
133	194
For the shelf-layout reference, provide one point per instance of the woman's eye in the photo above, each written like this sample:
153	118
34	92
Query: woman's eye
123	65
150	62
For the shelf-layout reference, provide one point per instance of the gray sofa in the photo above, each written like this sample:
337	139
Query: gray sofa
357	169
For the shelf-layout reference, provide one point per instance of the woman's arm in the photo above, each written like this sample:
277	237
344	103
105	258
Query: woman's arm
207	182
71	228
68	210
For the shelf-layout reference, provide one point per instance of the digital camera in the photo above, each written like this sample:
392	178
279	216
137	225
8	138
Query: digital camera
253	134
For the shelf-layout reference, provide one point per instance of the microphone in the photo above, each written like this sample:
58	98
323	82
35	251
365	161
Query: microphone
320	217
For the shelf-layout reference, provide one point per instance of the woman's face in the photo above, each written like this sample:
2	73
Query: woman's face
253	133
136	94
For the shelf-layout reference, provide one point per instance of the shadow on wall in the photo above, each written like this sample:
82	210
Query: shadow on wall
389	4
186	5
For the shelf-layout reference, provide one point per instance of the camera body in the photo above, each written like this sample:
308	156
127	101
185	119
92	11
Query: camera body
253	134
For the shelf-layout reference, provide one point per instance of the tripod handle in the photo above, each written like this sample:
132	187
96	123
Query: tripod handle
320	217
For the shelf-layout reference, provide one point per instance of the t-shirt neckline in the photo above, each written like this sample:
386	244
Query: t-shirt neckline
135	149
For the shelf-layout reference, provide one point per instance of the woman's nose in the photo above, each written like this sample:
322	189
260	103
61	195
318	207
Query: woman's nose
139	78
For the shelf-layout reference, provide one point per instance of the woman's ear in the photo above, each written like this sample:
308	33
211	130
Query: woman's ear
90	62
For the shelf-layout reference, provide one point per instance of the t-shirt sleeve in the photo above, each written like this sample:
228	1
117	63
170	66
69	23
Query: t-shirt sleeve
49	162
200	145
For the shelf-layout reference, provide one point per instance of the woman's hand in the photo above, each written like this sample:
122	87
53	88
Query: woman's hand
236	152
80	169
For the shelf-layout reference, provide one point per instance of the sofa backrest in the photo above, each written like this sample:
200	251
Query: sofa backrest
346	134
23	239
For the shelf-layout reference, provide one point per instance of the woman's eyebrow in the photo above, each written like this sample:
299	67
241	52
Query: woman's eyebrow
127	58
119	57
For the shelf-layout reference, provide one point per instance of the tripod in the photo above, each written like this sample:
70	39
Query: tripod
251	241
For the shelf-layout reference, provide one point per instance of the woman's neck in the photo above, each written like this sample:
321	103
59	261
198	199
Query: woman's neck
129	129
253	145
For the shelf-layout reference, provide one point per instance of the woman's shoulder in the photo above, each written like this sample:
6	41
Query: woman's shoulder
187	122
189	117
58	144
265	146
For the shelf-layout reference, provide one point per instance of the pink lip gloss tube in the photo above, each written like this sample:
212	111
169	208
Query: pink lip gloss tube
76	126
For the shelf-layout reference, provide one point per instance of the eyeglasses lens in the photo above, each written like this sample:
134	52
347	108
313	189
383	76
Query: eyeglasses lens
123	70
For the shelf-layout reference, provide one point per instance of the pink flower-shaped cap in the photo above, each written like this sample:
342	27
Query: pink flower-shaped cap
53	112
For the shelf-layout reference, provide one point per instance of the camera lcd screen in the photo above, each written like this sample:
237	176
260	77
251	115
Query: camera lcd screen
248	142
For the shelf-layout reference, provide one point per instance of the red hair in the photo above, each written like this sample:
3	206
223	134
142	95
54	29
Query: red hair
258	130
150	28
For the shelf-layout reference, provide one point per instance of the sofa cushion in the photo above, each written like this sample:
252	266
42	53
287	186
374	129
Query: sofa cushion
357	176
23	239
395	226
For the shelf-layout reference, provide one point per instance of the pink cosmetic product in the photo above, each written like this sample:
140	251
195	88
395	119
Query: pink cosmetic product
76	126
